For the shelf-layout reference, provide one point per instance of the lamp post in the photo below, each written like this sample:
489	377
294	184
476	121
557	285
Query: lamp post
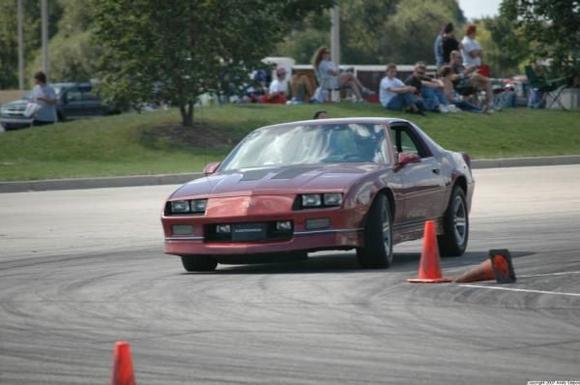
335	34
20	45
44	14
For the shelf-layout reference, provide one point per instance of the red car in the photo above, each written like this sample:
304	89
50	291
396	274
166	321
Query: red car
333	184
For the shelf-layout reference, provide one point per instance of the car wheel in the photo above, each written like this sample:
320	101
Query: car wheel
455	226
198	262
378	236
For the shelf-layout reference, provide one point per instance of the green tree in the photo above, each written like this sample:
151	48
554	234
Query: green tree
377	31
552	26
185	47
73	55
504	45
32	35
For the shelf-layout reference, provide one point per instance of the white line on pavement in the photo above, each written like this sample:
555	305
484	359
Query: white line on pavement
549	274
522	290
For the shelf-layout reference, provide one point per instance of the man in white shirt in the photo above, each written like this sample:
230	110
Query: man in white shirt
471	50
395	95
44	95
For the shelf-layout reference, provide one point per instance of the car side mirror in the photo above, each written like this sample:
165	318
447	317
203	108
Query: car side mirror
211	168
407	158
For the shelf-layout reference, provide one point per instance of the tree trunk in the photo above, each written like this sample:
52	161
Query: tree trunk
186	111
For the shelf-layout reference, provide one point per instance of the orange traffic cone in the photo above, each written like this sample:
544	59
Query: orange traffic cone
122	365
429	268
498	266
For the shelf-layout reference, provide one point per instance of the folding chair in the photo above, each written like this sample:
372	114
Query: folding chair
552	87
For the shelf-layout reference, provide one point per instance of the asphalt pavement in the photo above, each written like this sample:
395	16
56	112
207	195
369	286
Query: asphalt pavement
166	179
82	269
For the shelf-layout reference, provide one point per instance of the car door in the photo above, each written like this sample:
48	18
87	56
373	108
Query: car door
92	104
423	187
72	103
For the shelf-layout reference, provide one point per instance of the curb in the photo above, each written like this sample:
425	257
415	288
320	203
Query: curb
167	179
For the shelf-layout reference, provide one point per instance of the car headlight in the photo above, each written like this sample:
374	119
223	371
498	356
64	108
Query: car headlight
198	206
332	199
319	200
180	207
195	206
311	200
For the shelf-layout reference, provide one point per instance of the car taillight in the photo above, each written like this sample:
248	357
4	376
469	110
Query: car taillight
467	159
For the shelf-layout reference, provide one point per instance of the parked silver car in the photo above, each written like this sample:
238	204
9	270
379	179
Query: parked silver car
75	100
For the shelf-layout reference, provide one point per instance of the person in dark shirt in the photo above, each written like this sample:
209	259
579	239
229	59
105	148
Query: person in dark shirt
448	42
468	81
428	89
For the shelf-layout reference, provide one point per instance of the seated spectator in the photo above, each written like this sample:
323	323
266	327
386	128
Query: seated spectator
259	86
448	43
302	88
506	98
331	79
395	95
446	75
467	81
428	89
278	89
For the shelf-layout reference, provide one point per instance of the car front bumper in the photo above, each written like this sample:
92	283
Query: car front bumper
342	229
300	241
12	122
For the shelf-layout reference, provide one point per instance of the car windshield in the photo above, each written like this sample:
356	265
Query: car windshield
309	144
57	90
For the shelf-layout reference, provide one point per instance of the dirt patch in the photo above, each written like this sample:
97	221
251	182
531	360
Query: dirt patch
199	136
10	95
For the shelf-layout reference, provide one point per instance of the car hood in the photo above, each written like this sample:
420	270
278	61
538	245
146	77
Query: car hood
279	180
16	105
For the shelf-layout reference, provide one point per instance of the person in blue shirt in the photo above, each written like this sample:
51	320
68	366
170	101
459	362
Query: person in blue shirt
45	97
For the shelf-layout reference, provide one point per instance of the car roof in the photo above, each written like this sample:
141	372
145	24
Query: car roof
364	120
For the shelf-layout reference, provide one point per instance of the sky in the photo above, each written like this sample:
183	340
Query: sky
479	8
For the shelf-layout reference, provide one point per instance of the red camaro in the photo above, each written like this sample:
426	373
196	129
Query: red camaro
334	184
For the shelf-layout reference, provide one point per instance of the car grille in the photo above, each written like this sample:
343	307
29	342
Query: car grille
247	232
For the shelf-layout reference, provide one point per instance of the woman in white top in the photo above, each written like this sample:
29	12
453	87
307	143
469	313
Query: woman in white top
330	78
45	97
471	50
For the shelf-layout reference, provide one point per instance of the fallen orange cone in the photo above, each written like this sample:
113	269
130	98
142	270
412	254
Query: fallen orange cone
497	267
122	365
429	267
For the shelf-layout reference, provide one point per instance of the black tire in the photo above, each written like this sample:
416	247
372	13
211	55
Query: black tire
453	242
198	263
378	250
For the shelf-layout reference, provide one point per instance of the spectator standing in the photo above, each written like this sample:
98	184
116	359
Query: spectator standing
438	49
470	49
448	42
45	97
395	95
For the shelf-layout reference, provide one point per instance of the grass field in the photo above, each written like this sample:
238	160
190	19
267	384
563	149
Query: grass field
154	142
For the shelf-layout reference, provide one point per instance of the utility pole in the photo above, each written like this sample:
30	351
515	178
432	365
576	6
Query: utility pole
335	34
20	45
44	13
